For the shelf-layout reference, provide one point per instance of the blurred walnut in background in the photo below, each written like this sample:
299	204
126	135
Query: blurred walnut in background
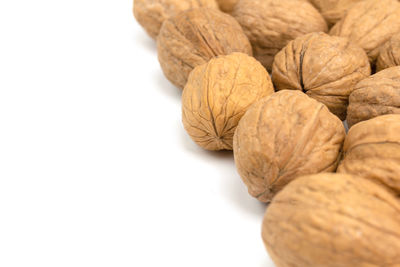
333	10
389	55
227	5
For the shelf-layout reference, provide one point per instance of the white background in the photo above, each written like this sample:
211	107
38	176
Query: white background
95	166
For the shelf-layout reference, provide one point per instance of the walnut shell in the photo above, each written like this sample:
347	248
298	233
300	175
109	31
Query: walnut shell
283	136
194	37
325	67
375	96
370	24
332	220
152	13
372	150
217	95
389	55
333	10
227	5
271	24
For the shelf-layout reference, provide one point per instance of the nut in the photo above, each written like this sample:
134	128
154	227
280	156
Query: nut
195	36
271	24
217	95
332	220
283	136
389	55
333	10
325	67
227	5
370	24
377	95
372	150
152	13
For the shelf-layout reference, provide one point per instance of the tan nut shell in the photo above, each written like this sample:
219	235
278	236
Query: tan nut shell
372	150
194	37
271	24
325	67
152	13
282	137
389	55
333	10
227	5
333	220
375	96
370	24
217	95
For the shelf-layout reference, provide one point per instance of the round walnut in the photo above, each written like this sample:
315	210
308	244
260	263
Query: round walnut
332	220
271	24
333	10
375	96
372	150
152	13
283	136
325	67
227	5
370	24
217	95
389	55
195	36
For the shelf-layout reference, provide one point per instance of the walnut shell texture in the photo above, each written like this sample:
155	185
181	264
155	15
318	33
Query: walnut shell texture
194	37
227	5
271	24
325	67
389	55
282	137
217	95
333	10
370	24
372	150
375	96
332	220
152	13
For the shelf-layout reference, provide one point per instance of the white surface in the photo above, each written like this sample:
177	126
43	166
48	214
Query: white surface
95	167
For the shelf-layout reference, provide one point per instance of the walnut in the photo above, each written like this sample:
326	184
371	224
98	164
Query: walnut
372	150
227	5
333	10
370	24
325	67
332	220
217	95
283	136
375	96
389	55
152	13
271	24
194	37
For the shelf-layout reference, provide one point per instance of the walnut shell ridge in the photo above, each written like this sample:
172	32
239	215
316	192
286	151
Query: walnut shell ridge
325	67
372	150
195	36
282	137
271	24
370	24
332	220
152	13
217	95
374	96
333	10
389	55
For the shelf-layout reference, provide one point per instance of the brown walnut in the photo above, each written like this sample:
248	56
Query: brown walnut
271	24
375	96
227	5
370	24
325	67
389	55
372	150
333	10
194	37
152	13
283	136
332	220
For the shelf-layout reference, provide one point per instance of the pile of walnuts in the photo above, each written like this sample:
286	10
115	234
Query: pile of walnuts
277	82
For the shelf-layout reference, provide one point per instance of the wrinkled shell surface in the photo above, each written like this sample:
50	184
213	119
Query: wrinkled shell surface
333	10
217	95
285	136
152	13
389	55
227	5
271	24
375	96
332	220
370	24
372	150
194	37
325	67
